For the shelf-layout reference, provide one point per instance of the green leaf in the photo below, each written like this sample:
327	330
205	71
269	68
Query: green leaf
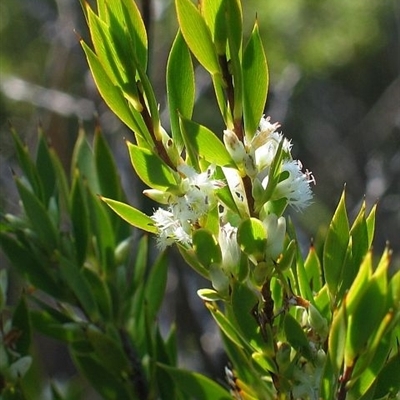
336	340
335	247
255	82
313	269
38	216
227	326
191	258
151	169
206	247
102	230
296	336
180	87
101	293
214	14
155	285
365	319
252	238
75	280
243	302
195	385
209	295
197	35
36	271
21	322
27	165
370	220
45	169
80	218
131	215
100	378
205	144
109	352
388	381
111	94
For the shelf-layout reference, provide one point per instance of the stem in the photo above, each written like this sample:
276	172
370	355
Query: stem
137	377
343	381
158	146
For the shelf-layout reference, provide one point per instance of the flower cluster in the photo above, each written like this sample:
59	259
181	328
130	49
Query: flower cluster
266	159
197	195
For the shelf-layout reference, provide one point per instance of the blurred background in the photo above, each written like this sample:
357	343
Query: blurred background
334	87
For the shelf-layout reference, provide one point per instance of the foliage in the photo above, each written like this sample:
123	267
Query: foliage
323	326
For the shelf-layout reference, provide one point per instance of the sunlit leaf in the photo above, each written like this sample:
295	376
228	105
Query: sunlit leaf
335	246
206	247
151	169
252	238
255	69
197	35
180	86
131	215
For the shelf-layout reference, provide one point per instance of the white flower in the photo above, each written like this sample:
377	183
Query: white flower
198	195
276	230
170	229
295	187
230	249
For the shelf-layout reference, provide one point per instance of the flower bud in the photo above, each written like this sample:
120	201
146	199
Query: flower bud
234	146
276	230
317	321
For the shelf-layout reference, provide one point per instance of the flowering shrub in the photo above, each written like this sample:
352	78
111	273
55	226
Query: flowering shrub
324	326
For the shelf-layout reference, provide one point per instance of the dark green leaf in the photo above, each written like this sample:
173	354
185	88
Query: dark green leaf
38	216
156	284
195	385
22	324
296	336
77	283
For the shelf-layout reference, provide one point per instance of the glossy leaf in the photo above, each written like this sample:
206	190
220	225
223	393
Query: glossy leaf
180	86
255	69
336	246
131	215
313	269
205	143
197	35
111	94
151	169
214	14
206	247
252	238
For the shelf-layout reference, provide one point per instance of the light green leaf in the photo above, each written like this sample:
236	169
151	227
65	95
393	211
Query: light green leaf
195	385
214	14
371	225
131	215
151	169
255	82
197	35
205	143
180	86
252	238
335	247
111	94
336	340
209	295
206	247
313	269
